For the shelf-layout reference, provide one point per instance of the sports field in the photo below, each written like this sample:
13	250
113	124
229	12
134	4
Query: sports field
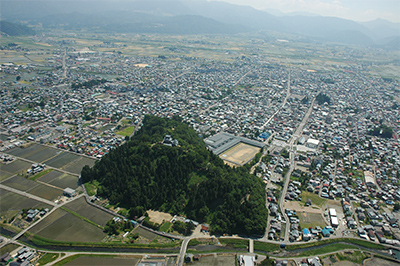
239	154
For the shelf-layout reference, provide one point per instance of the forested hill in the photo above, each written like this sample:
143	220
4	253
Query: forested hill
13	29
186	179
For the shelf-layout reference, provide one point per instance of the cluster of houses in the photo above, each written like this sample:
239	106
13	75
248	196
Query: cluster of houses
36	168
23	257
31	214
6	158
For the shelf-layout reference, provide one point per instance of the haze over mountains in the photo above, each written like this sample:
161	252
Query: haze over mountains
196	17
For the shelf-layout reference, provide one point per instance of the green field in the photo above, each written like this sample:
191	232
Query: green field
8	248
126	132
81	207
315	199
64	226
47	258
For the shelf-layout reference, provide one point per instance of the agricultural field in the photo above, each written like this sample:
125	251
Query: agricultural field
308	219
65	180
62	159
43	154
217	260
14	167
26	150
64	226
104	260
47	178
4	175
9	248
20	183
76	166
12	203
46	192
144	233
81	207
240	154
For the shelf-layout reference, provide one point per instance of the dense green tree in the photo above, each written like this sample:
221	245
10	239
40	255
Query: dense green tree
187	179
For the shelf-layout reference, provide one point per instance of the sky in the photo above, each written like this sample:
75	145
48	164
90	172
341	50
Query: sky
358	10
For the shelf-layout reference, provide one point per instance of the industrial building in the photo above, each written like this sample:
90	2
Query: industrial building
222	142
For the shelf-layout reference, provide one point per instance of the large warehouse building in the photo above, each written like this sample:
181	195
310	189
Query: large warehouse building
221	142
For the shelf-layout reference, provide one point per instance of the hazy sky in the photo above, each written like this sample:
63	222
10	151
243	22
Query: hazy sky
359	10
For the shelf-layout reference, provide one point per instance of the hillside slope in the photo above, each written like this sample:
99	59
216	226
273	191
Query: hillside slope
186	179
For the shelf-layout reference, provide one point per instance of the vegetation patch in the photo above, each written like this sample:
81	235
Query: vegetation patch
235	243
353	256
40	174
47	258
265	247
126	132
315	199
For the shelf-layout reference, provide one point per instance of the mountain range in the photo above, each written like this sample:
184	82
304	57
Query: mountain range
196	17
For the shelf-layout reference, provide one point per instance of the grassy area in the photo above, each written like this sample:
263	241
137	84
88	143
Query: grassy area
308	220
236	243
315	199
326	249
47	258
126	131
194	242
356	256
165	226
42	241
81	217
267	247
40	174
359	242
217	250
91	187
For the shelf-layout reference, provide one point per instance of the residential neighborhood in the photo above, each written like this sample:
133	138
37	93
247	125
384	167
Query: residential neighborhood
327	142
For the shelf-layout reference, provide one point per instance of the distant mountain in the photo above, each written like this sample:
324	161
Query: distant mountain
194	17
382	28
13	29
392	43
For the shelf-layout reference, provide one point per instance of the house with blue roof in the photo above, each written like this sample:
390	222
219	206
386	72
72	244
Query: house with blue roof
306	234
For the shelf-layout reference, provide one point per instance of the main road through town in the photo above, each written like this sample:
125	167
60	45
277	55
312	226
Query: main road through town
294	137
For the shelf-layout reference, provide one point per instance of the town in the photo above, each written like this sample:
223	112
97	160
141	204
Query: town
326	135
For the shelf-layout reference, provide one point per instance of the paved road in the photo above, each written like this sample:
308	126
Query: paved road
28	195
295	136
183	251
